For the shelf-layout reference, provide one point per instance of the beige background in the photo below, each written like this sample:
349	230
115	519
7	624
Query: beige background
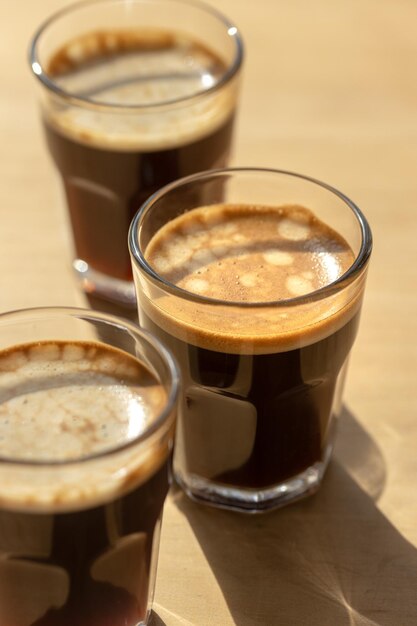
330	90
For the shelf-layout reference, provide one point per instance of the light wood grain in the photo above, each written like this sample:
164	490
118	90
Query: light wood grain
329	90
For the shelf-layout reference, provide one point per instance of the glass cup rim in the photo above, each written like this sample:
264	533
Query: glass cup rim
85	102
357	267
42	313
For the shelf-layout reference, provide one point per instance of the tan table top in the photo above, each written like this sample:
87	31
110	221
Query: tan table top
330	90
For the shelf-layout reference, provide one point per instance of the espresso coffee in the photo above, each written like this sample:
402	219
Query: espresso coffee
77	536
260	384
113	160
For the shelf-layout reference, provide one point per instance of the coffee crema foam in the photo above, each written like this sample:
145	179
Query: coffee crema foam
62	401
139	67
247	254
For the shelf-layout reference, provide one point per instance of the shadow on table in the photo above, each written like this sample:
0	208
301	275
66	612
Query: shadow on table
329	560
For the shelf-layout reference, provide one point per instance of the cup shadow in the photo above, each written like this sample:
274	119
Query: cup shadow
330	560
105	306
155	620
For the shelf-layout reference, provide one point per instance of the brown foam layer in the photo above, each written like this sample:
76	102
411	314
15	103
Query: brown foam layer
247	254
139	67
99	45
63	401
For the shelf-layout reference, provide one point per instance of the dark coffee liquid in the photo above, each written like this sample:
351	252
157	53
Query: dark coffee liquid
290	397
77	541
105	188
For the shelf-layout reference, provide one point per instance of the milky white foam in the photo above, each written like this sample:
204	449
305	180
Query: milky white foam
63	402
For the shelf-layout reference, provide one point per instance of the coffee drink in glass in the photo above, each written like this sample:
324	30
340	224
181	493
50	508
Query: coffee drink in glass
134	94
87	410
257	292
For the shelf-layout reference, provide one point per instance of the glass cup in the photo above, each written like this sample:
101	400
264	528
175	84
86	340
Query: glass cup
134	94
262	377
87	412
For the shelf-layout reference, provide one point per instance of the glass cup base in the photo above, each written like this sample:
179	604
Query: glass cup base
252	501
97	284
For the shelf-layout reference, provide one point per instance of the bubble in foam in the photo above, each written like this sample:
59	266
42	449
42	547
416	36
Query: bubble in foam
249	279
212	219
161	264
293	230
197	285
72	352
203	256
76	52
278	257
177	253
49	352
298	286
195	240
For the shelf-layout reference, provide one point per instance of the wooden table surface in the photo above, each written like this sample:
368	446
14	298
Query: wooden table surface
329	90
